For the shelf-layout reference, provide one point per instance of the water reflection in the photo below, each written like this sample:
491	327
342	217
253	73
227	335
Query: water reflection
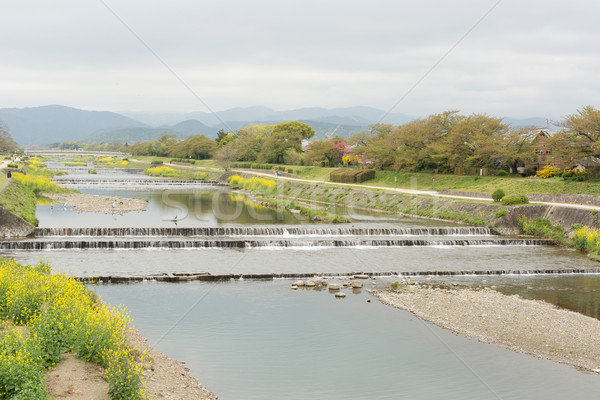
210	206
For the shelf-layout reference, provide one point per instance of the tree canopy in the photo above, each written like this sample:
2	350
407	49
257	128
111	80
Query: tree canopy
7	144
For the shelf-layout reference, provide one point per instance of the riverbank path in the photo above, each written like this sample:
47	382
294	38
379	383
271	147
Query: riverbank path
417	192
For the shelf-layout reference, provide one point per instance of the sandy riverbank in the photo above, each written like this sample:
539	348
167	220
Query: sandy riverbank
164	377
526	326
96	203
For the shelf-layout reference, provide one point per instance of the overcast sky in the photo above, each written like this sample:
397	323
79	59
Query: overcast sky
518	58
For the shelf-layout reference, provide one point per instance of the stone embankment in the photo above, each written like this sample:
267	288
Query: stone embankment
474	212
13	226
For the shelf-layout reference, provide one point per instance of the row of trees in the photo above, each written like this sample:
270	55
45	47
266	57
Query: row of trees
440	141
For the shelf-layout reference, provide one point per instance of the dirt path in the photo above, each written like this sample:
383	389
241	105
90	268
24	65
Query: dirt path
526	326
74	379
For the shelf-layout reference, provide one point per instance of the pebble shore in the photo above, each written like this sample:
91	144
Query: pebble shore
166	378
526	326
96	203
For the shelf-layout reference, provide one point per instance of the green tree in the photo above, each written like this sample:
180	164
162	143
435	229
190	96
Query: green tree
226	155
582	133
296	128
284	137
198	147
7	144
326	153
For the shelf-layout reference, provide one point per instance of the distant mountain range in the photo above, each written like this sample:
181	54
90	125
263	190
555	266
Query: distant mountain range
55	123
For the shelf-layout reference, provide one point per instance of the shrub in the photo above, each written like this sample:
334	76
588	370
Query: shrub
13	165
161	171
547	172
202	176
92	171
348	175
541	227
253	184
156	162
573	175
588	239
498	194
515	199
501	213
37	183
365	175
501	173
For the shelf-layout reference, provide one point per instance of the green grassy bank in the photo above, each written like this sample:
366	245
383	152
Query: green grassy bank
20	200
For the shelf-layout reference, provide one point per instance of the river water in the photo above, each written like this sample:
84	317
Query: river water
248	339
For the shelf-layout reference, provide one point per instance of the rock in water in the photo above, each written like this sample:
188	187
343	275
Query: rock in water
357	284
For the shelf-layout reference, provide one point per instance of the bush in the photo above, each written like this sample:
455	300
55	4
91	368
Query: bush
586	238
183	160
501	213
528	172
501	173
253	184
92	171
365	175
541	227
515	199
201	176
156	162
573	175
348	175
37	183
161	171
547	172
13	165
498	194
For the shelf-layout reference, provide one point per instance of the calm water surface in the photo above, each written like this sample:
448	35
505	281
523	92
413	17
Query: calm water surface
261	340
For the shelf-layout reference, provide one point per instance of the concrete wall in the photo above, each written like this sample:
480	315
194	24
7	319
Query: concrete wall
13	226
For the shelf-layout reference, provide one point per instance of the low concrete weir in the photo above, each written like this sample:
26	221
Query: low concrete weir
30	245
263	231
100	181
204	276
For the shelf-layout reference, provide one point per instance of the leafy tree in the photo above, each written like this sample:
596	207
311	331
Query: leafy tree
296	128
582	133
275	146
7	144
284	136
327	153
226	154
249	141
197	146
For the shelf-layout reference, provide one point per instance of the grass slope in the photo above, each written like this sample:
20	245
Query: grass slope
19	200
